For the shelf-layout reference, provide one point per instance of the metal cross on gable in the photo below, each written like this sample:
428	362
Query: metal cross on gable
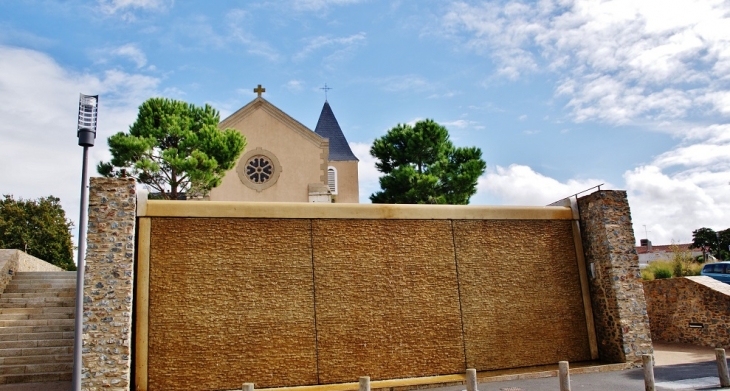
325	88
259	90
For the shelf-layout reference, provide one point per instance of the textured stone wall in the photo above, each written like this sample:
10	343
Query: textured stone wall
617	295
520	293
231	301
675	303
108	285
301	301
387	299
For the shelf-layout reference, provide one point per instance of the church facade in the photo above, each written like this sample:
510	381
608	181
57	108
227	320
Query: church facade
284	161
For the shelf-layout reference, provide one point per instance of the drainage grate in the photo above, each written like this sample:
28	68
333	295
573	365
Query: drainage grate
511	389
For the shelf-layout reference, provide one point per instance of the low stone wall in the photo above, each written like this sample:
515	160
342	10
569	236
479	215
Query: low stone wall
692	310
29	263
13	261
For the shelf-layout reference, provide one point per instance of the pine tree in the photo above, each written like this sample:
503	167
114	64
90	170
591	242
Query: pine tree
422	166
174	147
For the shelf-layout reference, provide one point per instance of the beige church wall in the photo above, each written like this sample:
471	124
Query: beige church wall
348	190
287	294
301	158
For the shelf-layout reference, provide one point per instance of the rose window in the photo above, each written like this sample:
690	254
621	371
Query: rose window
259	169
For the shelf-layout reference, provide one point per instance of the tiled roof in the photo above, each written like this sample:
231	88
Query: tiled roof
662	248
328	127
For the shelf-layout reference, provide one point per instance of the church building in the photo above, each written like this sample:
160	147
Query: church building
284	161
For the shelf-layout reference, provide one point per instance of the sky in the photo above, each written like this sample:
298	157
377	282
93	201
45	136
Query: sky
559	95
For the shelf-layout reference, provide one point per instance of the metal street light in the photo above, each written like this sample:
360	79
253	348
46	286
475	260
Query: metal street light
86	132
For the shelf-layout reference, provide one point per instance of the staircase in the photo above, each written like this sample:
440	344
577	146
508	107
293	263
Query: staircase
37	327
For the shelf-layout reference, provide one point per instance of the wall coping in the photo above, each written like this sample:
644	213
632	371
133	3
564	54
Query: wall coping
705	281
301	210
25	262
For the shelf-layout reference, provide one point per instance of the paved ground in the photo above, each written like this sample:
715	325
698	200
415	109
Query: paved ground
678	367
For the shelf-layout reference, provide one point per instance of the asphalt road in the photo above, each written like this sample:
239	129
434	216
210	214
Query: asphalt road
694	376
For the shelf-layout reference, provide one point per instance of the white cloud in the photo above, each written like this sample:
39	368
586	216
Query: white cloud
237	19
132	52
294	85
39	149
459	123
618	60
367	173
343	44
672	205
521	185
410	83
640	62
316	5
124	8
112	6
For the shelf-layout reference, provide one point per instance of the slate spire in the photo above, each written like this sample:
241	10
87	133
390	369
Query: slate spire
328	127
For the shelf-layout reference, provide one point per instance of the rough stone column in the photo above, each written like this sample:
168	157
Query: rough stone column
108	285
617	294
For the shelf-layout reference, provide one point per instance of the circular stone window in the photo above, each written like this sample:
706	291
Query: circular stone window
258	169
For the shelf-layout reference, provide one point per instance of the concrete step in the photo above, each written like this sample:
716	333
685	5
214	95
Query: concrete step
19	369
43	275
38	302
37	351
35	329
37	322
42	359
36	343
37	335
47	293
40	280
36	316
36	377
51	292
40	310
38	286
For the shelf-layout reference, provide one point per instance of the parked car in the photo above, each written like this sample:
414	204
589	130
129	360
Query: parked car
719	271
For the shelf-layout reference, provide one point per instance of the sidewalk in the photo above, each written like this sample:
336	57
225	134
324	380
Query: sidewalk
674	362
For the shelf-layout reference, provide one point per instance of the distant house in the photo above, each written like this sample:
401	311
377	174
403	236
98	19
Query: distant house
648	252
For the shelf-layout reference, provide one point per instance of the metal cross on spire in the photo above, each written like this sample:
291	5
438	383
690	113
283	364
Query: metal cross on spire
259	90
325	88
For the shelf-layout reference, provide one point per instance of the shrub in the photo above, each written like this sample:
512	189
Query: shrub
647	275
662	273
658	269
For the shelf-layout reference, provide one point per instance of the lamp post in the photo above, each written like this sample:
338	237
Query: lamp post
86	132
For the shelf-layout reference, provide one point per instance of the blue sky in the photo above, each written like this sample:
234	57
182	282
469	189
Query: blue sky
560	95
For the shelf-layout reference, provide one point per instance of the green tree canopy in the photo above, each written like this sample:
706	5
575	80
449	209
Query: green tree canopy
422	166
174	147
714	242
38	227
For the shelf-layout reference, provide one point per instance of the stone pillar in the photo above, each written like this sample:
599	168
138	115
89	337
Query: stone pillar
108	284
617	294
